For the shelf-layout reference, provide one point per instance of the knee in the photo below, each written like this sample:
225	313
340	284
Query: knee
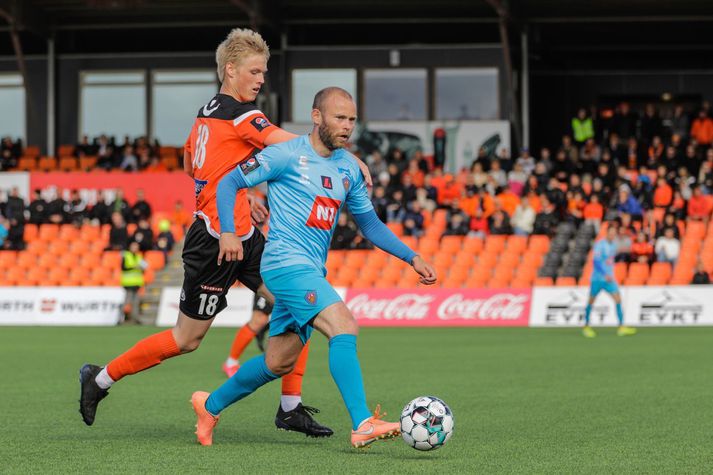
188	344
280	368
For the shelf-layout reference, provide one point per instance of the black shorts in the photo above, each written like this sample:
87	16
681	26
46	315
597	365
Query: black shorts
261	304
205	283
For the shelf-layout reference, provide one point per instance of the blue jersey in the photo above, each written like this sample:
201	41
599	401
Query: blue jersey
604	253
306	193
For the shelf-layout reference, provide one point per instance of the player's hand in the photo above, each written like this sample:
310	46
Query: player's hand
231	247
258	212
365	171
427	273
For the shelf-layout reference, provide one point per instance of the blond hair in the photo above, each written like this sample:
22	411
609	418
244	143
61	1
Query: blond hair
239	43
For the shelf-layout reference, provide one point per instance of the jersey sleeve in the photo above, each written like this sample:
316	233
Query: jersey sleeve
253	127
267	165
357	197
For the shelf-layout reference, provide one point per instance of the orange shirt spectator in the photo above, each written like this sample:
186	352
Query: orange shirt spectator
535	201
155	166
470	204
180	216
699	206
508	201
417	176
575	206
593	210
450	191
702	129
663	195
642	250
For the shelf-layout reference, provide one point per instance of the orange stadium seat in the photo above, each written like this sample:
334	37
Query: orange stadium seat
27	164
47	164
68	261
429	246
620	272
517	244
65	150
451	244
539	244
497	282
47	261
155	259
356	259
35	276
638	272
69	232
37	247
396	228
90	233
7	259
48	232
111	259
68	164
532	259
58	247
26	260
476	280
442	259
695	230
88	162
565	281
410	241
79	247
495	243
30	233
376	259
32	151
473	245
660	273
544	281
14	276
91	261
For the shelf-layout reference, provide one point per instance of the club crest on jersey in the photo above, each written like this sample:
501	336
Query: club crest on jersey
260	123
324	212
346	183
327	182
249	165
199	184
311	297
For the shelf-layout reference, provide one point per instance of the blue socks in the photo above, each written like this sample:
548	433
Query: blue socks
587	314
619	314
247	380
344	366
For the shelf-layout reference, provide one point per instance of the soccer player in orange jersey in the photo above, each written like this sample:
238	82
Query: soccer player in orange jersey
228	131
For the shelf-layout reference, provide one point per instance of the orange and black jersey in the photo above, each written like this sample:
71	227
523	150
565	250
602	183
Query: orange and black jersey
225	133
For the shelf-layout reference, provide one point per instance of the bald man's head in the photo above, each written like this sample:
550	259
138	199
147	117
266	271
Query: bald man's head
322	96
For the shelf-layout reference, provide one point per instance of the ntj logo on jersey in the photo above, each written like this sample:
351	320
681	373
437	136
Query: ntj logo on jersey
324	211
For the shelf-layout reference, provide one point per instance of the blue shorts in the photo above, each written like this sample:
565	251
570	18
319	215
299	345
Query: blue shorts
599	285
300	294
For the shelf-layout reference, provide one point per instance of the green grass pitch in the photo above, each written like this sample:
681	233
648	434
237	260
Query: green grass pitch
524	400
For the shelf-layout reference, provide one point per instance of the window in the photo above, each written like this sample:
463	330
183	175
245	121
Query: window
395	94
307	82
467	93
176	98
113	103
12	103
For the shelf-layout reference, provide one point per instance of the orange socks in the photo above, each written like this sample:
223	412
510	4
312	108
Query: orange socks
242	339
143	355
292	383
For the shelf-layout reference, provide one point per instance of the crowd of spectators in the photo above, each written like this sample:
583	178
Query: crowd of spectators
638	170
106	207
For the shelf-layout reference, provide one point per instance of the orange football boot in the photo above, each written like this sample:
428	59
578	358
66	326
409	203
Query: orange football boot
206	421
374	429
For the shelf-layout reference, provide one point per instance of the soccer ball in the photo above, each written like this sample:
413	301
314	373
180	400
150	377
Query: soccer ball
426	423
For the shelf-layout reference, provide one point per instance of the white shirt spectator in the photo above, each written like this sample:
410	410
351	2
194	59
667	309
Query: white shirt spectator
668	249
523	218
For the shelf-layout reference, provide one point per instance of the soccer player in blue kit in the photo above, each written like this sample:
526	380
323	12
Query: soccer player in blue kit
310	178
603	279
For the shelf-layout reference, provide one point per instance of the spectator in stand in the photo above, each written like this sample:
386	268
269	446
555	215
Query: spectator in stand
497	174
582	127
478	225
699	206
143	235
408	188
141	209
457	225
623	244
344	233
84	148
663	195
480	178
562	167
414	173
129	162
547	219
533	186
396	210
616	148
180	216
450	191
10	153
626	203
669	222
413	220
651	124
575	207
570	150
624	121
668	247
15	206
132	279
165	239
508	200
527	161
678	207
120	205
516	179
144	158
422	162
523	220
4	231
424	200
499	223
702	129
105	153
593	212
642	250
57	208
380	203
100	212
685	183
155	166
38	208
376	163
701	277
680	123
76	208
398	158
118	235
16	235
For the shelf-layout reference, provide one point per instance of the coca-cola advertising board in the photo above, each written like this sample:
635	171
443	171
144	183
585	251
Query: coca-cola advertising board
440	307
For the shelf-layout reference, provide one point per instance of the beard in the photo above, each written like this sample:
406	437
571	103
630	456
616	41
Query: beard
327	138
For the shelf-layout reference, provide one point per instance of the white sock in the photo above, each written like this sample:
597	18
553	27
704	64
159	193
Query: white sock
103	379
289	402
232	361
